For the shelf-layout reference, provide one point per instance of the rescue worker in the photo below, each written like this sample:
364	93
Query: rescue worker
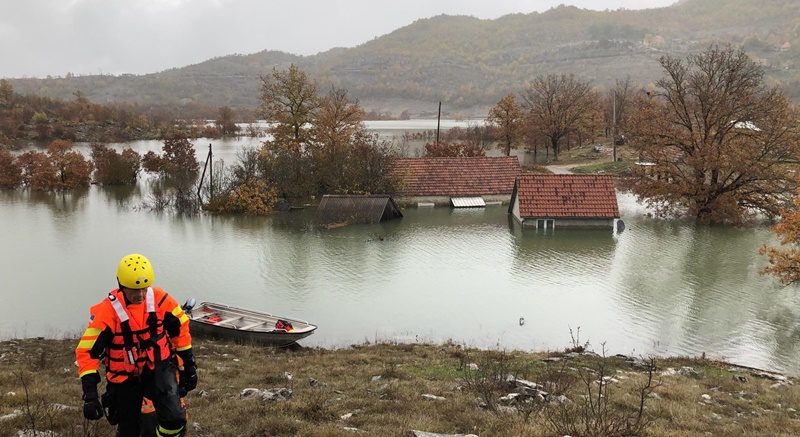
134	331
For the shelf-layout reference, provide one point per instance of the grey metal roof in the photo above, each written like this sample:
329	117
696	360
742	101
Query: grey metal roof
350	208
467	202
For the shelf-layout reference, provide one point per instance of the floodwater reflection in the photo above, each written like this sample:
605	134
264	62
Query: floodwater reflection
660	287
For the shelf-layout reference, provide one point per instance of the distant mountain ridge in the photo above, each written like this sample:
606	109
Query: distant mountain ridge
469	64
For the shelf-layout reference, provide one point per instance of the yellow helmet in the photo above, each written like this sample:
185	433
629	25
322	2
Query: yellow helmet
135	271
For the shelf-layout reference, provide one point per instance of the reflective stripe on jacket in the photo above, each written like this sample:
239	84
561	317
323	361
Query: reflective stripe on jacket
128	338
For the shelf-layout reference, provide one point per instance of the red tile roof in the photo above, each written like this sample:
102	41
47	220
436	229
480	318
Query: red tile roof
467	176
566	195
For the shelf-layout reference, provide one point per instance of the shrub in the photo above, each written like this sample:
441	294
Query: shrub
113	168
38	172
10	170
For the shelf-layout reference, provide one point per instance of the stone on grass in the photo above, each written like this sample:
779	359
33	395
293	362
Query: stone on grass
314	383
273	395
416	433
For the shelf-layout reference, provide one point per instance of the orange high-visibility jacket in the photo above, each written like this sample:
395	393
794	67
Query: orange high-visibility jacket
130	346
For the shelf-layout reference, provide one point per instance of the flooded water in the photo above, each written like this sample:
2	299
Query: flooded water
659	288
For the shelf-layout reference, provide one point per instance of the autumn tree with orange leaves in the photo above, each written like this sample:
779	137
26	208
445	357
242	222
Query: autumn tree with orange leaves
319	143
61	168
508	120
10	170
179	159
717	141
288	101
177	168
72	169
38	172
785	263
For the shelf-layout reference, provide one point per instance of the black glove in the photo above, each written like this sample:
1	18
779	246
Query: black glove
188	375
92	408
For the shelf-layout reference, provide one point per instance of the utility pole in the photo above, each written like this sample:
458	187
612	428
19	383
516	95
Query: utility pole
208	165
614	127
438	123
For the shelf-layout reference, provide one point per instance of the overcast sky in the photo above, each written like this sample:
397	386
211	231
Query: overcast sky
54	37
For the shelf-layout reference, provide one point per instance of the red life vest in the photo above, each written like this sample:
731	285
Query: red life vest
139	343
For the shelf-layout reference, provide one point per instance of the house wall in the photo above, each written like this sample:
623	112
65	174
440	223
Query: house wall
515	211
586	223
531	222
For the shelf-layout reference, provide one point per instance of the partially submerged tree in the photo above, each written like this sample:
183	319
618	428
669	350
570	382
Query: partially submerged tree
338	125
288	101
226	121
716	140
72	169
38	171
557	106
178	161
253	197
10	170
785	263
61	168
177	170
319	144
367	166
113	168
180	154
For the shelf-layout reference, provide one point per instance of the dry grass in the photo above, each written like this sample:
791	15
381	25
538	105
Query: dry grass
378	389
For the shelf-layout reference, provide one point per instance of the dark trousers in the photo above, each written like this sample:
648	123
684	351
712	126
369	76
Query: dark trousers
161	387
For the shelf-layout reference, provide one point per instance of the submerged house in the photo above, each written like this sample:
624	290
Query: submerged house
345	209
564	200
464	181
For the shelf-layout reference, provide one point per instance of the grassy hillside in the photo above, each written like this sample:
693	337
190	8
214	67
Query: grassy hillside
469	64
394	389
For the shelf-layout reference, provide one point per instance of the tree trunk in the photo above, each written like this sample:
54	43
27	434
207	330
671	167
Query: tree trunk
554	144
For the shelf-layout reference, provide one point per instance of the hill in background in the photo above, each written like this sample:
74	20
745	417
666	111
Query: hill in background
469	64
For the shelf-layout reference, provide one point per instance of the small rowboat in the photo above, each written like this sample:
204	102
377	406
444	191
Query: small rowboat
245	326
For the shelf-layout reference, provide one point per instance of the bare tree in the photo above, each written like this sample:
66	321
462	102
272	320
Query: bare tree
339	122
558	106
618	105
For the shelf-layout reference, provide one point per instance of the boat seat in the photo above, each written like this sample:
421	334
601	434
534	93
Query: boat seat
229	321
253	325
